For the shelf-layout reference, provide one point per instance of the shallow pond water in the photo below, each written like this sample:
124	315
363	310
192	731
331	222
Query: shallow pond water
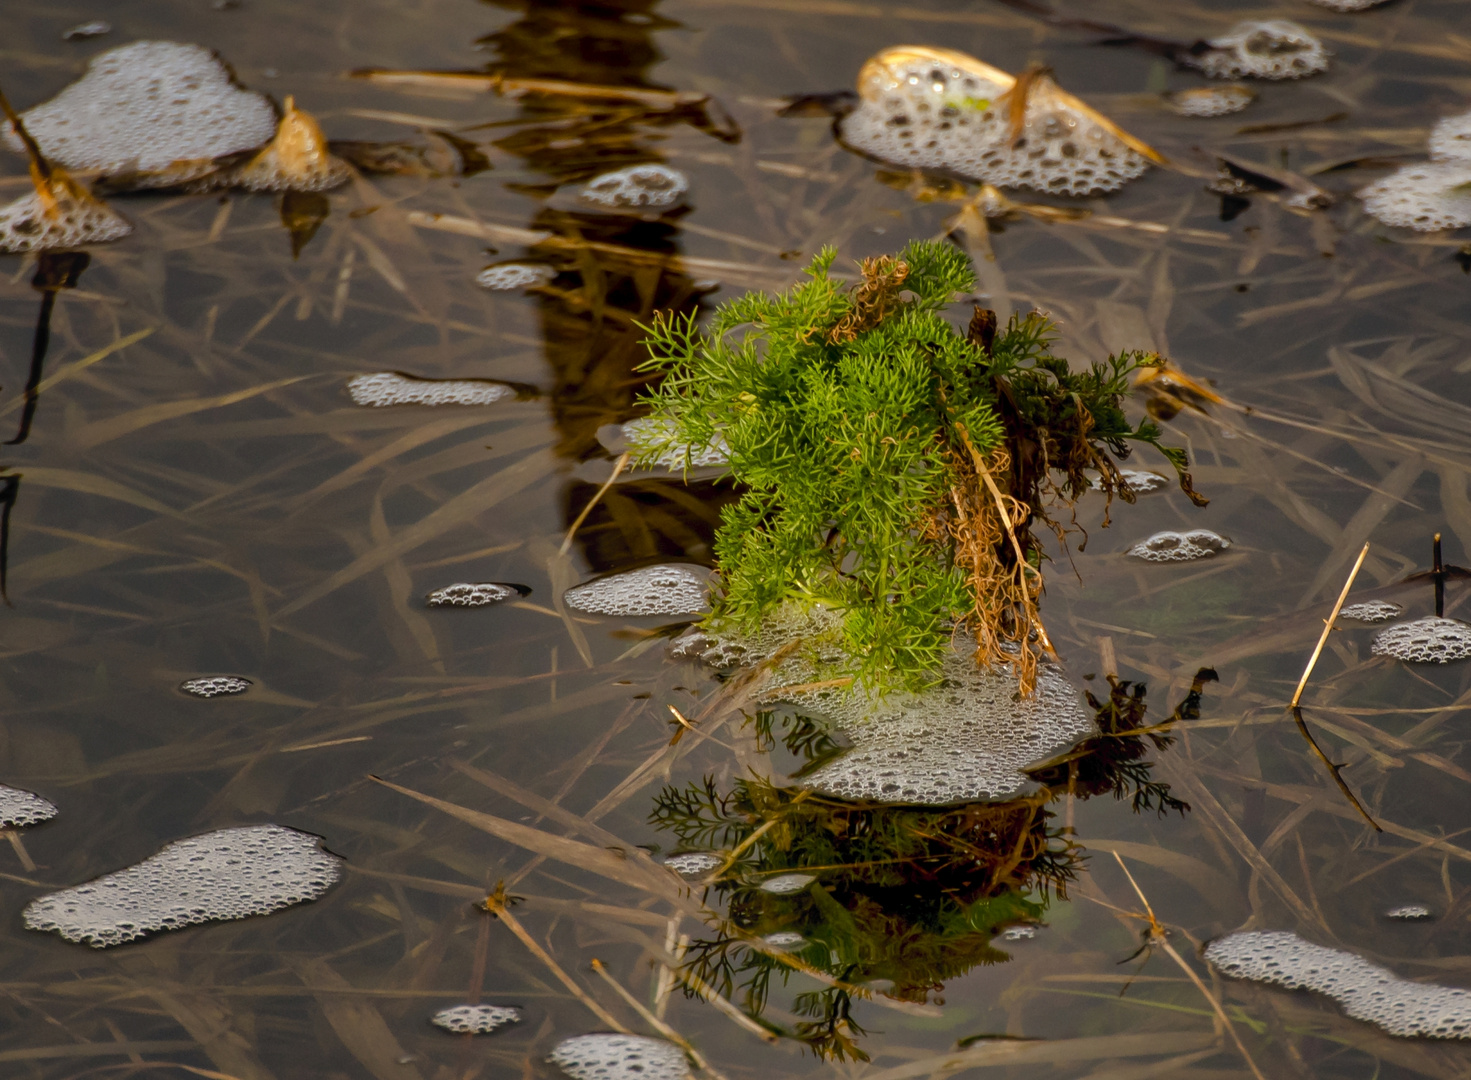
196	495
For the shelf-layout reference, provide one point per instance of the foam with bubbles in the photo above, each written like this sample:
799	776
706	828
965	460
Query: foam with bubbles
471	594
650	439
1261	49
1140	481
1409	913
670	589
145	106
296	159
1371	611
1426	197
941	109
475	1019
620	1057
786	884
386	388
694	863
222	875
22	809
1450	139
95	28
637	187
503	277
209	686
1347	6
1171	546
1206	101
785	939
71	218
1019	933
1431	640
1366	991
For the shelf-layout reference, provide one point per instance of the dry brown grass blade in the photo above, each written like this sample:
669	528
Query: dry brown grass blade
654	1022
358	1025
68	370
618	467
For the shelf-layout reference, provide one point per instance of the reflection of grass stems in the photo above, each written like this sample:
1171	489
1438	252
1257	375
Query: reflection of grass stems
707	993
654	1022
617	468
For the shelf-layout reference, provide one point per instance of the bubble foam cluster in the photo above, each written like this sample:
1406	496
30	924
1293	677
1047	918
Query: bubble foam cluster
22	809
1431	640
1366	991
296	159
392	388
650	440
74	219
1409	913
1140	481
1170	546
503	277
475	1019
694	863
147	105
1019	933
638	187
215	686
1207	101
786	884
228	874
471	594
1426	197
1450	139
1346	6
785	939
1262	49
941	109
671	589
619	1057
1371	611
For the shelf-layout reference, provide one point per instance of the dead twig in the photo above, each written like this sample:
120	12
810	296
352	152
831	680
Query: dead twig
617	468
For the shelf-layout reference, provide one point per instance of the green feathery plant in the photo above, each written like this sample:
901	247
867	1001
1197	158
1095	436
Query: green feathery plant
891	467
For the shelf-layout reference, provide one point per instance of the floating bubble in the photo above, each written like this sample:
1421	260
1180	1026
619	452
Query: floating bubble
1431	640
1409	913
471	594
671	589
1206	101
1261	49
66	216
475	1019
1450	139
1140	481
1019	933
1366	991
1170	546
506	276
144	106
1427	197
638	187
95	28
22	809
619	1057
228	874
940	109
1371	611
1347	5
651	441
784	939
386	388
786	884
297	158
694	863
215	686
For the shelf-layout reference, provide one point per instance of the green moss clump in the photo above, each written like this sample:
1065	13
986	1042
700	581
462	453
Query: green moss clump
892	467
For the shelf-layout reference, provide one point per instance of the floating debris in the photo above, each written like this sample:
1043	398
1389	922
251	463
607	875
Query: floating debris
1426	197
142	107
1140	481
215	686
1206	101
620	1057
1371	611
1366	991
941	109
475	1019
785	939
472	594
638	187
22	809
1409	913
1450	139
387	388
1019	933
651	440
1431	640
786	884
506	276
95	28
1348	5
297	159
228	874
671	589
1170	546
1261	49
694	863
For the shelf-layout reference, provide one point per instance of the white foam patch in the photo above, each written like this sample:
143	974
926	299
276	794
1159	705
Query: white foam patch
650	439
95	28
390	388
1450	139
1427	197
1140	481
694	863
938	109
1347	6
1409	913
671	589
1371	611
228	874
785	939
1208	101
21	809
475	1019
78	219
1019	933
1430	640
1262	49
1366	991
786	884
619	1057
296	159
638	187
1170	546
504	277
471	594
146	105
215	686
